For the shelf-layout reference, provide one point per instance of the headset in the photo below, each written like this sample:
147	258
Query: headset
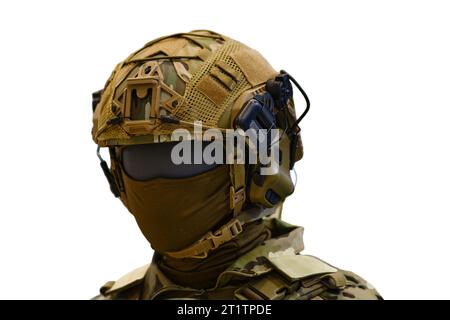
268	110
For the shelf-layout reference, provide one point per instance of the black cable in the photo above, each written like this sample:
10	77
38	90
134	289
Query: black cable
308	104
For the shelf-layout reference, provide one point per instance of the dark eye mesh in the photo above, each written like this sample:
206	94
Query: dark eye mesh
149	161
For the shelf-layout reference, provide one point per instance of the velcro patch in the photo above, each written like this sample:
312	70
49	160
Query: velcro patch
255	68
297	267
212	90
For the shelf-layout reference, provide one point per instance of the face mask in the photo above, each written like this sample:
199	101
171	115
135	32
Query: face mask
173	213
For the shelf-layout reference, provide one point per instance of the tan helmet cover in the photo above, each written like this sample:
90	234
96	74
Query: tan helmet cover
192	76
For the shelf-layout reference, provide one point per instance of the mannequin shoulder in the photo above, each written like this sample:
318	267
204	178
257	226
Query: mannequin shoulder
316	279
356	288
127	287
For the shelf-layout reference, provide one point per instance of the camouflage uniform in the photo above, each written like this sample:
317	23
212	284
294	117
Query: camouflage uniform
252	276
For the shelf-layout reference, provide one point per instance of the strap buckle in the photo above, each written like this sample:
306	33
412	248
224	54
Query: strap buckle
236	196
209	242
224	234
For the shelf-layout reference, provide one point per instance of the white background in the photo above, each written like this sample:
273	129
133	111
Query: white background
373	190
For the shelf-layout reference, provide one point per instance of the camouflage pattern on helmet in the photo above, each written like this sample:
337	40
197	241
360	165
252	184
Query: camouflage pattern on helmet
197	76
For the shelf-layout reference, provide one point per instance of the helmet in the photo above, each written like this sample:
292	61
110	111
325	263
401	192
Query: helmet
180	80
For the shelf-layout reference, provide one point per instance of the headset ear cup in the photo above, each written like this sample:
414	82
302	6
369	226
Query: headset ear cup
271	189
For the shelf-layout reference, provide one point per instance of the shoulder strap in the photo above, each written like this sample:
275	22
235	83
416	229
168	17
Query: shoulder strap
237	189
